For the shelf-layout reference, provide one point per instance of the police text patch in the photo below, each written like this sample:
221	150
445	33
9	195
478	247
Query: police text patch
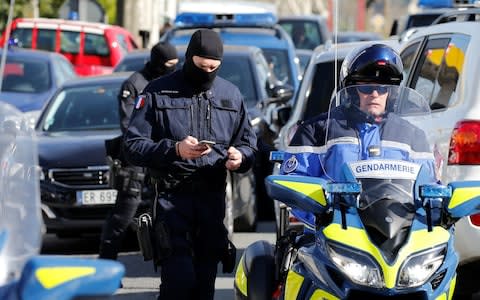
391	169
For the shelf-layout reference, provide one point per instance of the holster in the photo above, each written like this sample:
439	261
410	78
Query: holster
229	258
144	236
121	178
161	239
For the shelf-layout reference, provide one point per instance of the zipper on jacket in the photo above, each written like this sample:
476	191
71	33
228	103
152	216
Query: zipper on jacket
209	118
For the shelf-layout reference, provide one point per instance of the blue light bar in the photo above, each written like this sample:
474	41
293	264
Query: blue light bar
344	188
435	3
435	191
207	19
277	156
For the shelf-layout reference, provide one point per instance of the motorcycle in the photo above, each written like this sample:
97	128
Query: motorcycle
24	273
383	227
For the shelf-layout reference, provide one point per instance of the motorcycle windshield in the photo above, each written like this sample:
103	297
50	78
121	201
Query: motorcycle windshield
21	219
370	128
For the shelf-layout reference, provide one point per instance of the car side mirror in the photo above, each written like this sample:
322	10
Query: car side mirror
282	115
278	94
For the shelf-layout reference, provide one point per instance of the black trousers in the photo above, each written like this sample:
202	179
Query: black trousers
194	219
119	219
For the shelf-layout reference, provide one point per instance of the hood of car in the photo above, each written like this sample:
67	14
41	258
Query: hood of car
25	101
73	149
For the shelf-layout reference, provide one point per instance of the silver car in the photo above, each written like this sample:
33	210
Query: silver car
442	63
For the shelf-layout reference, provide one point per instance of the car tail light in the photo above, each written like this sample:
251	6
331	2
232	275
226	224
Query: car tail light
475	219
465	143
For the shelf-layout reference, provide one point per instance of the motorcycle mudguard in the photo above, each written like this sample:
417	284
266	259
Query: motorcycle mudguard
255	275
55	277
299	192
465	199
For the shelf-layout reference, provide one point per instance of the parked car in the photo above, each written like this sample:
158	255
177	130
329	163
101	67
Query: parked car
441	63
428	11
93	48
71	132
247	68
311	27
31	77
355	36
259	29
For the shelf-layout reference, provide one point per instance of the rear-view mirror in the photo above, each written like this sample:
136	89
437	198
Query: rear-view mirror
465	200
299	192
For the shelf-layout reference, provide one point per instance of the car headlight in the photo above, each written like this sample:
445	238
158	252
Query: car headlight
356	266
418	268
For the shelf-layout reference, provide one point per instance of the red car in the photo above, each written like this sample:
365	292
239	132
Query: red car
93	48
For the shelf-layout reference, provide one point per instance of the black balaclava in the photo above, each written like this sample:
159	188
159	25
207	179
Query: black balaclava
159	55
205	43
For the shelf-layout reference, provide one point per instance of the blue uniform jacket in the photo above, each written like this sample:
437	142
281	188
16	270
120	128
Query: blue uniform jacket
169	110
349	139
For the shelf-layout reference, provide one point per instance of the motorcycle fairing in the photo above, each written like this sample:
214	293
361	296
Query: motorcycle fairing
294	284
358	239
55	277
465	199
241	279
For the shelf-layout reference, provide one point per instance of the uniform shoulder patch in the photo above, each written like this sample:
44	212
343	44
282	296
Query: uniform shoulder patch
140	102
290	165
126	93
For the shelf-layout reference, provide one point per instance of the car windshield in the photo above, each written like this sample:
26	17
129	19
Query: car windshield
24	75
93	107
132	64
278	61
321	89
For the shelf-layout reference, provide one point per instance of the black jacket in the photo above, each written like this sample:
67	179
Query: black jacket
131	88
168	111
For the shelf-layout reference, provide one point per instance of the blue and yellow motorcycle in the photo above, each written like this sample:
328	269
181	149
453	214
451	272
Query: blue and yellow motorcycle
385	230
24	274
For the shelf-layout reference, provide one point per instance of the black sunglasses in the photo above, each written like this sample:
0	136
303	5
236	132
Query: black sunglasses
368	89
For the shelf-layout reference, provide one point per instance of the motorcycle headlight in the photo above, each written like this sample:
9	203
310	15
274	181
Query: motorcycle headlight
356	266
418	268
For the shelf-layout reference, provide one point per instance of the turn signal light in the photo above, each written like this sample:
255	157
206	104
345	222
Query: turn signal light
465	143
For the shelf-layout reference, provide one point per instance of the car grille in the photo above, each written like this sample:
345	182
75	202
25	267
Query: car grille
80	177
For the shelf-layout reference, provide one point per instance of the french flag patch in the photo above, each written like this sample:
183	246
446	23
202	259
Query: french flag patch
140	102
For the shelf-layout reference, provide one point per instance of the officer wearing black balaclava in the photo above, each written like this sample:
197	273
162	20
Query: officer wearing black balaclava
129	178
165	135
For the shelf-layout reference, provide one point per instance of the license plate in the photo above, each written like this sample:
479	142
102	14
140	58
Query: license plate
95	197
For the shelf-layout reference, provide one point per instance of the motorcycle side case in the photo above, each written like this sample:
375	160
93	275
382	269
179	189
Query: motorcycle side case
255	275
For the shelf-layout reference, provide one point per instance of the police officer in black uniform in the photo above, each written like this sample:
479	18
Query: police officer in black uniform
175	113
129	178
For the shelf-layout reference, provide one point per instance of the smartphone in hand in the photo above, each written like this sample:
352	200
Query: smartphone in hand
206	142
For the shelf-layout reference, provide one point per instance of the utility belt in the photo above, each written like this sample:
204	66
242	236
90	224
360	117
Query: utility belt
123	179
187	183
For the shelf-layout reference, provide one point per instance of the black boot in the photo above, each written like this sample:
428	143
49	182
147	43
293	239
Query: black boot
108	250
